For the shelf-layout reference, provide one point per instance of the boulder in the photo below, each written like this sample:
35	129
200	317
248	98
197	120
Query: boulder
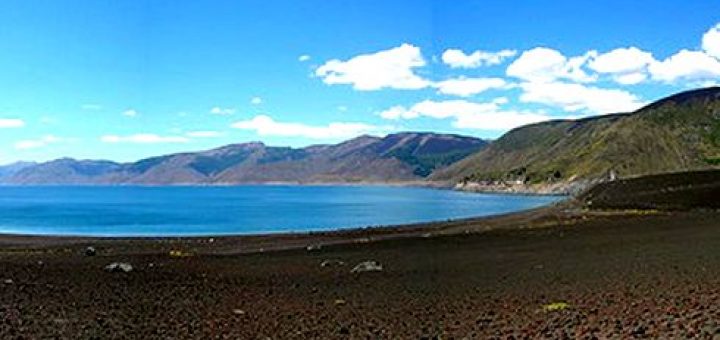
367	266
119	267
90	251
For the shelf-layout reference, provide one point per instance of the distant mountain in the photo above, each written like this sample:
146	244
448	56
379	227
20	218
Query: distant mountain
394	158
678	133
11	169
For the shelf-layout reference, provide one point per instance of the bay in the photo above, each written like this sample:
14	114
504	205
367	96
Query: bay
236	210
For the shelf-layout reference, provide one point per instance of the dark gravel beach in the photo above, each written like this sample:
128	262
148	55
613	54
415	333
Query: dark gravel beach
559	272
620	275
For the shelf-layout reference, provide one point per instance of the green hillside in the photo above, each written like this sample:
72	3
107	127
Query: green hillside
678	133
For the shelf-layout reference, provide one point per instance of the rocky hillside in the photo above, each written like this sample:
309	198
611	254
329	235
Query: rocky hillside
394	158
678	133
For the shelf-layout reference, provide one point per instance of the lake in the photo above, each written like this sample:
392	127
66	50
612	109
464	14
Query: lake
228	210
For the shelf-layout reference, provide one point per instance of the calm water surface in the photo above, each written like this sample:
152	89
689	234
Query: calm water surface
170	211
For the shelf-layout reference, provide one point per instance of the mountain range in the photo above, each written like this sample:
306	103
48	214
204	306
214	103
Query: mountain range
397	157
674	134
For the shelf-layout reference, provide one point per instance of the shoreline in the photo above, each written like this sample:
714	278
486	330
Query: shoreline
569	188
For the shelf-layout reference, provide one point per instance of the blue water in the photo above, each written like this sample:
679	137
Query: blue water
170	211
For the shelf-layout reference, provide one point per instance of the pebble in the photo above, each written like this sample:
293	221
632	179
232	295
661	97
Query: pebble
313	247
119	267
328	263
367	266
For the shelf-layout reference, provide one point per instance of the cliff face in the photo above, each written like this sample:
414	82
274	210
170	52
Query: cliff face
394	158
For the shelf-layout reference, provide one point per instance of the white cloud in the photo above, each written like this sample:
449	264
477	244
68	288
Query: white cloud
266	126
223	111
203	134
543	64
130	113
391	68
256	101
709	83
686	65
630	78
91	107
578	97
458	59
469	86
143	138
621	60
11	123
711	41
303	57
466	114
37	143
626	65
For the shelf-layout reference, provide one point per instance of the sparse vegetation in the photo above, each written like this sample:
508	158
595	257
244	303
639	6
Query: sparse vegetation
678	133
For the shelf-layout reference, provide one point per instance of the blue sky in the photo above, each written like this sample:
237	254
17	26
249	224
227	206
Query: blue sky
124	80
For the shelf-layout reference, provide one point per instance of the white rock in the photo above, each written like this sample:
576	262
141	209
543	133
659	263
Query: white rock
328	263
119	267
313	247
367	266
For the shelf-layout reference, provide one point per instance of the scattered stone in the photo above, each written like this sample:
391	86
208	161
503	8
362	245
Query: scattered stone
313	247
90	251
8	281
179	253
367	266
329	263
340	302
117	267
238	312
639	331
211	240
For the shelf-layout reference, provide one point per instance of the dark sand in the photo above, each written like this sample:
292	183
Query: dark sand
622	274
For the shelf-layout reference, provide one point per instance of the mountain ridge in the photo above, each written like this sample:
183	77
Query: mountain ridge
677	133
400	157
